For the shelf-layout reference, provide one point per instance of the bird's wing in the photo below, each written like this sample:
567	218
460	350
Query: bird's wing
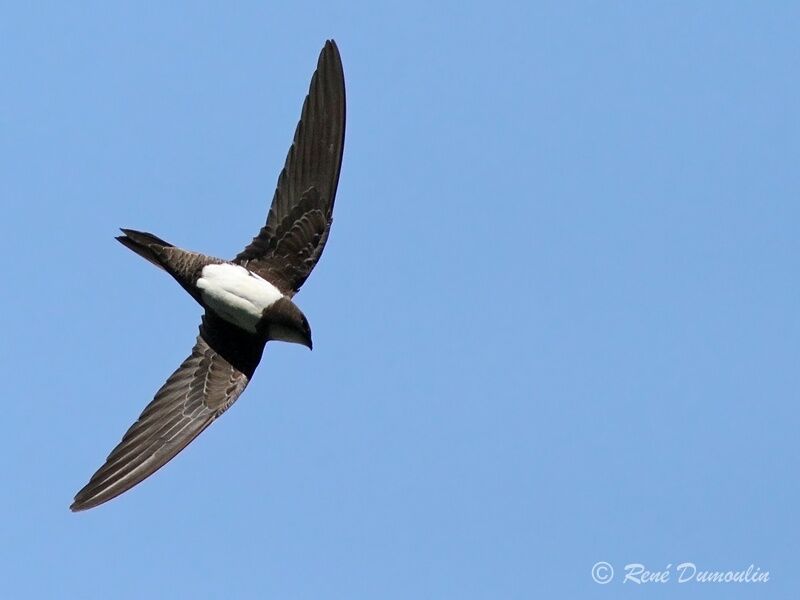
199	391
290	244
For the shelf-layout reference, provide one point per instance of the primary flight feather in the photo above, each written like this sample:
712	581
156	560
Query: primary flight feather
247	300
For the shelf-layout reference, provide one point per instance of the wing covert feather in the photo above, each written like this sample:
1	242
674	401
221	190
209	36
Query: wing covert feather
289	245
203	387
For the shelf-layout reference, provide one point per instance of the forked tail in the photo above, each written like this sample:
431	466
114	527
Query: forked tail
144	244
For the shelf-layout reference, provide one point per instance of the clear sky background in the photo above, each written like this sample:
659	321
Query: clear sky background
556	322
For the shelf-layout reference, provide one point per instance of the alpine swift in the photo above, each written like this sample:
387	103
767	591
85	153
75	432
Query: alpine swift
247	300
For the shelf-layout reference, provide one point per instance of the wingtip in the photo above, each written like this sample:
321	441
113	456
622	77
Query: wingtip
83	501
77	505
330	48
93	497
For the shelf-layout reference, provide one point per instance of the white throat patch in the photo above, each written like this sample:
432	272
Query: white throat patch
237	295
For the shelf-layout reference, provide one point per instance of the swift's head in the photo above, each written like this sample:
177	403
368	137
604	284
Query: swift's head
286	323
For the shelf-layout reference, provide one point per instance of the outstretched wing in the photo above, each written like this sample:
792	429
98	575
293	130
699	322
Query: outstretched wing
199	391
290	244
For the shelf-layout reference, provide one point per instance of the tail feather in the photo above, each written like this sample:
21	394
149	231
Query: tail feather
144	244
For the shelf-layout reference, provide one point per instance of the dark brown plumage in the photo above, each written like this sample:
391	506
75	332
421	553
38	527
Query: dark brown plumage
291	242
225	355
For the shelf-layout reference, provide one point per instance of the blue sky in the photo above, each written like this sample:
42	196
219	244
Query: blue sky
556	322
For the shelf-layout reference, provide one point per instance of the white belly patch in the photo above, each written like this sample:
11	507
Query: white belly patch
236	294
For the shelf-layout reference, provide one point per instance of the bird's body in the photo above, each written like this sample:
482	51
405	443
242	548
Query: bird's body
237	295
247	300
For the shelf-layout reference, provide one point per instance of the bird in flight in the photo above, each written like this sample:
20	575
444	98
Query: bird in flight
247	300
